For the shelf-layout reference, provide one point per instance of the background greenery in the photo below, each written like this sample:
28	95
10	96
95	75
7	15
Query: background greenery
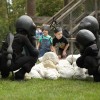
40	89
10	12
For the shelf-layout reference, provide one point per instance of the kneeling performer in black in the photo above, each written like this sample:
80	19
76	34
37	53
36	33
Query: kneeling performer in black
24	28
89	53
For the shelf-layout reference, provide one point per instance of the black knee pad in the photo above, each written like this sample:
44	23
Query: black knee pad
20	74
4	71
80	62
5	74
96	78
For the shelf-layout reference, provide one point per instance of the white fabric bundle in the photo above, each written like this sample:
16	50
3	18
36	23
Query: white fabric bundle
50	56
37	71
51	67
47	67
65	69
72	58
66	72
51	73
80	73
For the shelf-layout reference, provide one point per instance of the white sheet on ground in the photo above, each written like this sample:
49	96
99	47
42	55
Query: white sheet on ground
66	68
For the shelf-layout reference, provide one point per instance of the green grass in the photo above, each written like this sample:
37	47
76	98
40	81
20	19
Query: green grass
43	89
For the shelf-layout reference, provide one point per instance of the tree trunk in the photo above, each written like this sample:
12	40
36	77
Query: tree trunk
66	2
31	8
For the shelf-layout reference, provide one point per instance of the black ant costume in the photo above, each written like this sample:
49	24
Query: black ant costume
23	41
88	43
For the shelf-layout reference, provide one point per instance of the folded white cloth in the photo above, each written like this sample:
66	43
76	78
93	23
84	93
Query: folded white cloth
52	68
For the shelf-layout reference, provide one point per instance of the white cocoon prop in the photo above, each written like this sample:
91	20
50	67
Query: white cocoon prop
35	74
72	58
51	67
66	72
49	64
50	56
37	71
40	59
47	67
27	76
64	63
51	73
80	73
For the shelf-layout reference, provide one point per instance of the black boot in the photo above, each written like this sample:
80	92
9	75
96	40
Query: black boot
4	70
20	75
96	77
5	74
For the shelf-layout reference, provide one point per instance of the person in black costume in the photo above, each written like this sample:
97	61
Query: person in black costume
23	41
89	53
25	29
91	23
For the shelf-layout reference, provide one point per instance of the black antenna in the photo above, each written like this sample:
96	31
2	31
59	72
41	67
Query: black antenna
53	23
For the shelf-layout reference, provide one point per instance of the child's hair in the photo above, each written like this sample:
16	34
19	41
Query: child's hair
46	27
38	26
57	29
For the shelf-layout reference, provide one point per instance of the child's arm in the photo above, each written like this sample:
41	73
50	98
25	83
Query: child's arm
53	49
38	45
65	49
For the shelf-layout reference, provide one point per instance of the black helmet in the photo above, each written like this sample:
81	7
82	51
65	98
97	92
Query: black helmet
90	23
26	23
85	37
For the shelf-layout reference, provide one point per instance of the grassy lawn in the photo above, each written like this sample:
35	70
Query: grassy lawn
43	89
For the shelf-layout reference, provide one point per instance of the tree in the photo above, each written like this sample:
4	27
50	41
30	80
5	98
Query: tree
31	9
48	7
3	19
10	12
66	2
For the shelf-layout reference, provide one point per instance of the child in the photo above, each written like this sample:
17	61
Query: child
45	42
38	32
60	43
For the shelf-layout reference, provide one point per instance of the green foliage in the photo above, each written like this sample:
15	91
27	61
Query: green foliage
18	8
8	15
3	29
10	12
3	19
48	7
